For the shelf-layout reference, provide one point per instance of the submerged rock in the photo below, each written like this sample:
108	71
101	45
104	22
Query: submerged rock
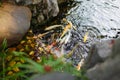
14	22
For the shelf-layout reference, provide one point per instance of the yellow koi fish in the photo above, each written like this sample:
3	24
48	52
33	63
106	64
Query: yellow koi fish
85	37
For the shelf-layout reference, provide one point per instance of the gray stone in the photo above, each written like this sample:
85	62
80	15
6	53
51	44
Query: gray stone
109	70
52	8
53	76
99	52
116	48
102	51
43	11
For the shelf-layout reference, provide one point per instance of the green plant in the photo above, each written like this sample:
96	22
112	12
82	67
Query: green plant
2	57
9	64
18	65
50	65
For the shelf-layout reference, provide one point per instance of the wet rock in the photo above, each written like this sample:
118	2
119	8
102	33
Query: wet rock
108	69
116	47
49	7
44	11
52	8
99	52
53	76
14	22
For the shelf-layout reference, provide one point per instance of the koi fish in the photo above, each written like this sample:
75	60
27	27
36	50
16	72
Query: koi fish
67	27
85	37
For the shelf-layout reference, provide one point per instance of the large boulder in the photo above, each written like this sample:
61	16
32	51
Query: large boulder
14	22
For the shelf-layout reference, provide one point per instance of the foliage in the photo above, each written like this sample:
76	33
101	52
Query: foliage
19	66
9	69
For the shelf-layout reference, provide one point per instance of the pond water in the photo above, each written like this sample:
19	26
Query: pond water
103	15
100	18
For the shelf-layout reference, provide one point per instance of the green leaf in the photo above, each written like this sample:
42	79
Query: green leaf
18	53
4	45
34	65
